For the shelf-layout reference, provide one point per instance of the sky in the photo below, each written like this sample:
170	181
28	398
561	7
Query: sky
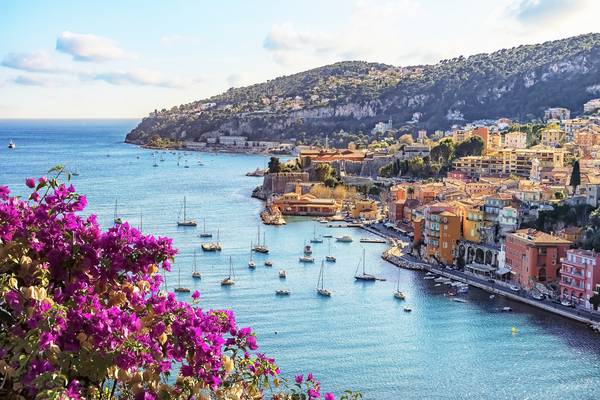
123	59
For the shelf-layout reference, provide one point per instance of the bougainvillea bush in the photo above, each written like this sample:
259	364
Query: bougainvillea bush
82	315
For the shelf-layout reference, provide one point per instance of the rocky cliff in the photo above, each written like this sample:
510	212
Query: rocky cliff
519	82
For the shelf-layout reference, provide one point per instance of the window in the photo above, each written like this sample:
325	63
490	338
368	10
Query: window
445	245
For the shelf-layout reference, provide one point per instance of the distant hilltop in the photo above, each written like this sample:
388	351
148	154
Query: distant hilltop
353	96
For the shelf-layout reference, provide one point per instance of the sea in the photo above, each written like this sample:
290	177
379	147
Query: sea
360	339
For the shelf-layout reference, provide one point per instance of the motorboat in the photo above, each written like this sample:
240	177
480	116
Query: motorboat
12	145
282	292
506	309
268	263
344	239
282	274
458	300
407	309
307	259
307	250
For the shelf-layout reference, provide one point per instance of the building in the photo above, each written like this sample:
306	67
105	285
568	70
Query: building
484	134
422	136
232	141
552	137
591	106
534	256
382	127
579	275
442	233
507	161
509	220
296	203
365	209
415	150
557	113
515	140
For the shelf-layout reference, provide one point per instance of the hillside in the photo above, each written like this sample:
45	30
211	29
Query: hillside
519	82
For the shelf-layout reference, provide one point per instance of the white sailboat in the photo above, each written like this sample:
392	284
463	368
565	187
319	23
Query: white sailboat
364	276
214	246
321	290
397	293
282	274
205	234
155	163
179	288
261	248
329	257
251	263
316	239
185	221
229	280
196	274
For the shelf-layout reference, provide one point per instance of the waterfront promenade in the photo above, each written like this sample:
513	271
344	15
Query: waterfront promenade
489	285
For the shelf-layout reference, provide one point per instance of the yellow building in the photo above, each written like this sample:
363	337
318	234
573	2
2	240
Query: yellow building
552	137
366	209
442	233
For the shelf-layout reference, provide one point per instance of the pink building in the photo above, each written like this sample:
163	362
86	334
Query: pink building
580	273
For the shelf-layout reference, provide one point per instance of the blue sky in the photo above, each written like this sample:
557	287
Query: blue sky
106	59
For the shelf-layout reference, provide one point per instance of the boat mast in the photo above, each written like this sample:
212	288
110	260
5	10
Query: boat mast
364	260
184	210
195	266
116	202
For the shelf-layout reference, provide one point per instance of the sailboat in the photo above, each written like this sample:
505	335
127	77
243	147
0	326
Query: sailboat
251	263
214	246
282	274
261	248
185	165
329	257
397	293
316	239
320	289
185	221
155	163
364	276
180	289
12	145
75	172
196	274
116	218
205	234
229	280
162	157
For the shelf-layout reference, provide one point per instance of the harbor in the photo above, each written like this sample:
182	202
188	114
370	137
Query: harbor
306	330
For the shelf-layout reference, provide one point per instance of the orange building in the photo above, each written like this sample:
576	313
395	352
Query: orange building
442	233
484	134
296	203
534	256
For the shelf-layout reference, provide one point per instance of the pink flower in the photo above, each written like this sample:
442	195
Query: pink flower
329	396
196	295
35	196
309	377
30	182
299	379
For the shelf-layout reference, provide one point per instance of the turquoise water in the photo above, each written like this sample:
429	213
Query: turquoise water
358	339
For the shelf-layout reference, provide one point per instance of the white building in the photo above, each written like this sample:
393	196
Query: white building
232	141
591	106
515	140
422	136
382	127
557	113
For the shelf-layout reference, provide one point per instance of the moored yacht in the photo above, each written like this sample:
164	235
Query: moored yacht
185	221
364	276
229	280
321	290
12	145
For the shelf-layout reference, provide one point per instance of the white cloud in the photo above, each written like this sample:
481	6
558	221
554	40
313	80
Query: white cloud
32	62
26	80
533	11
140	77
88	47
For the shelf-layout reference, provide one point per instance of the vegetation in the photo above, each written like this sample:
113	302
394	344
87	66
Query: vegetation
354	96
274	165
472	146
563	216
326	173
82	315
575	177
339	193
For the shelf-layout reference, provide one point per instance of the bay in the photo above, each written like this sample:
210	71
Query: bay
358	339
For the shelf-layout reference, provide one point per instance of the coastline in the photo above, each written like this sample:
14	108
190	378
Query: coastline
402	261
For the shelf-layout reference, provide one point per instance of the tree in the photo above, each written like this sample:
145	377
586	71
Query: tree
575	177
406	139
472	146
274	165
442	153
82	315
595	301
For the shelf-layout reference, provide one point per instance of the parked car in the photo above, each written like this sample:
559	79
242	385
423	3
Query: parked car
514	288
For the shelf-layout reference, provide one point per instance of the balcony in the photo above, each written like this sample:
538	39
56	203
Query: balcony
573	272
572	284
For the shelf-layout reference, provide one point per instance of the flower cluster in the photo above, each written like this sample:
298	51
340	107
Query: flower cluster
82	315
